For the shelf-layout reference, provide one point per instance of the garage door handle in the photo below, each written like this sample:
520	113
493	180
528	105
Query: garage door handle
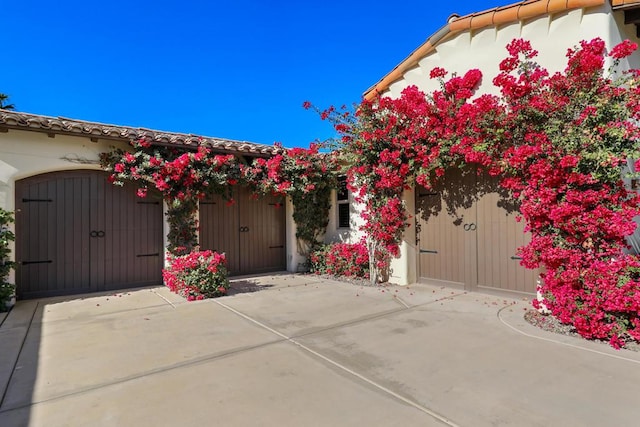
95	233
470	227
244	229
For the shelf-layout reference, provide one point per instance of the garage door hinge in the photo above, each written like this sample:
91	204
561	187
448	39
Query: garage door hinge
36	200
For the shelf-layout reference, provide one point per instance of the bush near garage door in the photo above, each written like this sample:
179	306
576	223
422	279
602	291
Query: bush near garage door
6	289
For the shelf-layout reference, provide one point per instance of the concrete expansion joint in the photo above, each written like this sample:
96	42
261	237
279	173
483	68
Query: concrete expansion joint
162	297
15	363
401	301
186	363
357	321
340	366
557	341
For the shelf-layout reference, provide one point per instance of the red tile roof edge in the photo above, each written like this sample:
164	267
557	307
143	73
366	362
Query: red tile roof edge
497	16
64	126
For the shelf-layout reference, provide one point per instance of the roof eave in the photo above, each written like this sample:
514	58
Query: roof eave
93	130
522	10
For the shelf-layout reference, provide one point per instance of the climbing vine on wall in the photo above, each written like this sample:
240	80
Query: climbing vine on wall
6	237
183	177
558	142
186	177
307	177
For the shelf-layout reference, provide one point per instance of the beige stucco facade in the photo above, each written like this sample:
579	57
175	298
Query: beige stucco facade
26	153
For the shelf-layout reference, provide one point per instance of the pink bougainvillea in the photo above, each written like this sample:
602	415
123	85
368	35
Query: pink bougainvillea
341	259
197	275
558	142
307	176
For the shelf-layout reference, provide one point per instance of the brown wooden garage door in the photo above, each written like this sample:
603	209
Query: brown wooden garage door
468	236
76	233
251	232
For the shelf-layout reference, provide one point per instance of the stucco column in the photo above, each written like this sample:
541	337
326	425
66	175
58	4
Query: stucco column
295	260
404	268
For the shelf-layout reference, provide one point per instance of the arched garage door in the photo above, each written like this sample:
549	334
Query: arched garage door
77	233
251	231
468	235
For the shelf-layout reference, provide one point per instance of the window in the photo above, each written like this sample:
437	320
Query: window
343	203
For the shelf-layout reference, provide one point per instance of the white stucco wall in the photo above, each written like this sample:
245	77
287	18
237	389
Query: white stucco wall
483	50
26	153
296	262
337	234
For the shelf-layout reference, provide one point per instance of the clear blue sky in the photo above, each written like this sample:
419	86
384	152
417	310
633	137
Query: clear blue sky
237	69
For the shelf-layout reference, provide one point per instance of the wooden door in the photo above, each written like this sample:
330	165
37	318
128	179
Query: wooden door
132	244
77	233
219	230
251	232
262	237
499	236
53	223
468	235
445	215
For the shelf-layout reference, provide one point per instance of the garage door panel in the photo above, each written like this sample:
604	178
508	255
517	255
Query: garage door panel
51	251
264	238
132	238
219	230
499	237
443	213
251	232
469	236
67	219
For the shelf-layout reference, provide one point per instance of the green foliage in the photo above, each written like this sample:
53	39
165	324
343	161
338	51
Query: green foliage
311	215
3	103
181	216
340	259
197	275
6	236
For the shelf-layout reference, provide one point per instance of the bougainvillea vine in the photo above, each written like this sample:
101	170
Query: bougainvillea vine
557	141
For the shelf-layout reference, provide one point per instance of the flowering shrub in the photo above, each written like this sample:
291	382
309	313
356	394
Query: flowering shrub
573	133
557	141
341	259
6	236
197	275
307	177
183	178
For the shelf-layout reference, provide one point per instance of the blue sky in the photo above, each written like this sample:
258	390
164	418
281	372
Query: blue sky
234	69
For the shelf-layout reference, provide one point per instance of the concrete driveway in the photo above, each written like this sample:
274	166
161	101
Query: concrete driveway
288	350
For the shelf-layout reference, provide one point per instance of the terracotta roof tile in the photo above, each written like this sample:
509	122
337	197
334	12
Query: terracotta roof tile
61	125
519	11
623	4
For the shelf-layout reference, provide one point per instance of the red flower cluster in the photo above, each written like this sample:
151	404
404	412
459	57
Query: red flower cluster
558	142
341	259
183	178
197	275
307	177
177	175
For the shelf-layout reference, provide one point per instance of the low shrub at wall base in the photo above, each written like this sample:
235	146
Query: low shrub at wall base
6	289
197	275
341	259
